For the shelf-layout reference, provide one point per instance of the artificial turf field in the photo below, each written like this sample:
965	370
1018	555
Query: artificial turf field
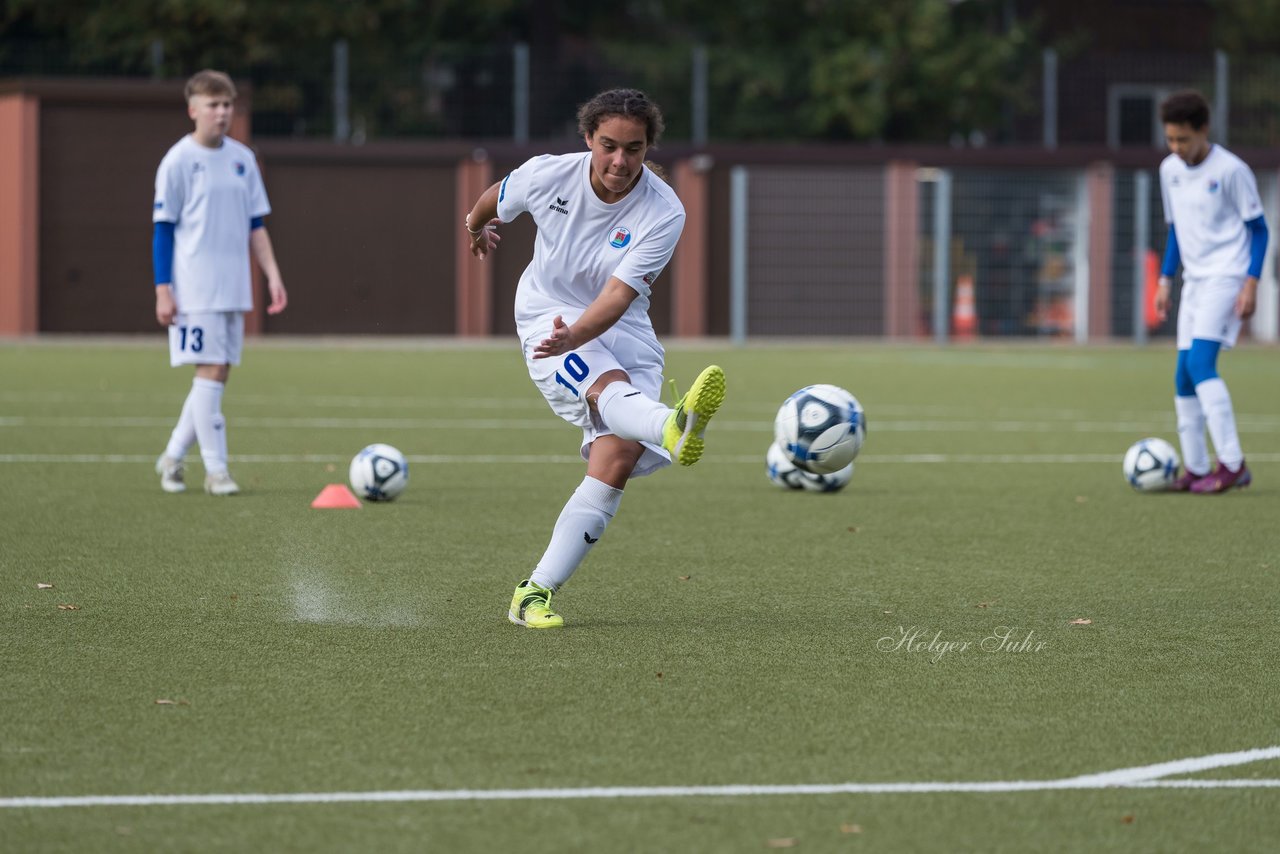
352	673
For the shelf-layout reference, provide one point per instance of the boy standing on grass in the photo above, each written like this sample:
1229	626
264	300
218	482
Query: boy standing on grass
208	212
1218	234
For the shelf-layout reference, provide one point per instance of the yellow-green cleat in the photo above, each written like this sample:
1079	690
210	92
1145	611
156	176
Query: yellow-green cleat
682	434
531	607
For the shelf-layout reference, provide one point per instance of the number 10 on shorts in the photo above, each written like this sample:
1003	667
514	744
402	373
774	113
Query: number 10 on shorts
576	368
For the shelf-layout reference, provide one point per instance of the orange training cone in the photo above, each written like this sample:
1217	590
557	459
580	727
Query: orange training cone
964	316
1151	268
336	496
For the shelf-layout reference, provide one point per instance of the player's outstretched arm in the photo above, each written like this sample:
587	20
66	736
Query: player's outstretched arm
264	254
603	312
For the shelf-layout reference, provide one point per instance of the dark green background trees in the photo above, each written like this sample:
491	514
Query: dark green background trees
918	71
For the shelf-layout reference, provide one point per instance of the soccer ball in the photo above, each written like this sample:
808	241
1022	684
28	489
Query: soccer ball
784	473
1151	465
820	428
379	473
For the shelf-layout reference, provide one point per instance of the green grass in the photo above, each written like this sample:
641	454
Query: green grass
723	632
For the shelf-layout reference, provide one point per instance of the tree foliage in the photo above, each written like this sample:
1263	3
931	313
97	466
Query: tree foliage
926	70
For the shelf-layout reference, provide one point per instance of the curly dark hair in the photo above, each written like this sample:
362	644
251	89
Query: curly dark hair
631	103
1187	107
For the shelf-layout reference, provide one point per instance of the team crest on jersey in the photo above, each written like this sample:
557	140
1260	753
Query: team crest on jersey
1213	186
621	237
239	168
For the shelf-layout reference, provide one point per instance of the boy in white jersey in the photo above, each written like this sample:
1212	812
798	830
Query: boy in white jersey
607	226
207	215
1218	233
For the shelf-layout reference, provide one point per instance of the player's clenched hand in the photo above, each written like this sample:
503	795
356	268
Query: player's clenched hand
1247	301
561	341
279	298
166	308
487	240
1162	298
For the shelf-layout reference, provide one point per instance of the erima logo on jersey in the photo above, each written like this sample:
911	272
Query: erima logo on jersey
558	207
158	205
196	168
621	237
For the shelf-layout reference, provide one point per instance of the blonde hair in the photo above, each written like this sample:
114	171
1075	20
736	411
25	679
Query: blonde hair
210	82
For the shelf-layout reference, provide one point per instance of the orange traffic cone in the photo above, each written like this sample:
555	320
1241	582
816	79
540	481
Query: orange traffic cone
1151	264
336	496
964	315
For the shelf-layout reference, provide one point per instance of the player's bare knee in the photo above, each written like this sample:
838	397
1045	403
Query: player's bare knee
614	376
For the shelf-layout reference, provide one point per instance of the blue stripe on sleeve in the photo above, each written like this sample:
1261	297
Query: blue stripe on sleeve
1172	258
255	223
1257	245
162	253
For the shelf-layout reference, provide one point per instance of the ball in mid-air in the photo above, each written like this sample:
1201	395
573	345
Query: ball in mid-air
820	428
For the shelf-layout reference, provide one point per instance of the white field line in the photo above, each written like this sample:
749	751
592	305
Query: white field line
1146	776
540	459
1155	425
507	404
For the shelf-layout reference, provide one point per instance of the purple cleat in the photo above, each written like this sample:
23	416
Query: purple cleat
1184	481
1222	478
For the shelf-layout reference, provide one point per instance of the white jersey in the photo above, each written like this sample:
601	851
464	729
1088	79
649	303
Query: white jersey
1208	205
583	241
211	195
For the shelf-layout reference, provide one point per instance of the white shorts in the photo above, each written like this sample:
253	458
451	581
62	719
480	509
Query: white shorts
1208	310
206	338
564	380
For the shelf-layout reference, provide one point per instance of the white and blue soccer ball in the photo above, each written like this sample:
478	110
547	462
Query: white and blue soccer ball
379	473
1151	465
784	473
820	428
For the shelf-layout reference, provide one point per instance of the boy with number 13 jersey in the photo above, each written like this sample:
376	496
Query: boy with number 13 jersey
208	218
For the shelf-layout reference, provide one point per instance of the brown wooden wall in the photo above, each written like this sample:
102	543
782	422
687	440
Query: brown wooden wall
98	162
364	236
368	236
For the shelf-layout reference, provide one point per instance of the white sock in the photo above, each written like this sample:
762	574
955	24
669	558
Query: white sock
211	427
184	433
1216	401
1195	450
631	415
581	523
